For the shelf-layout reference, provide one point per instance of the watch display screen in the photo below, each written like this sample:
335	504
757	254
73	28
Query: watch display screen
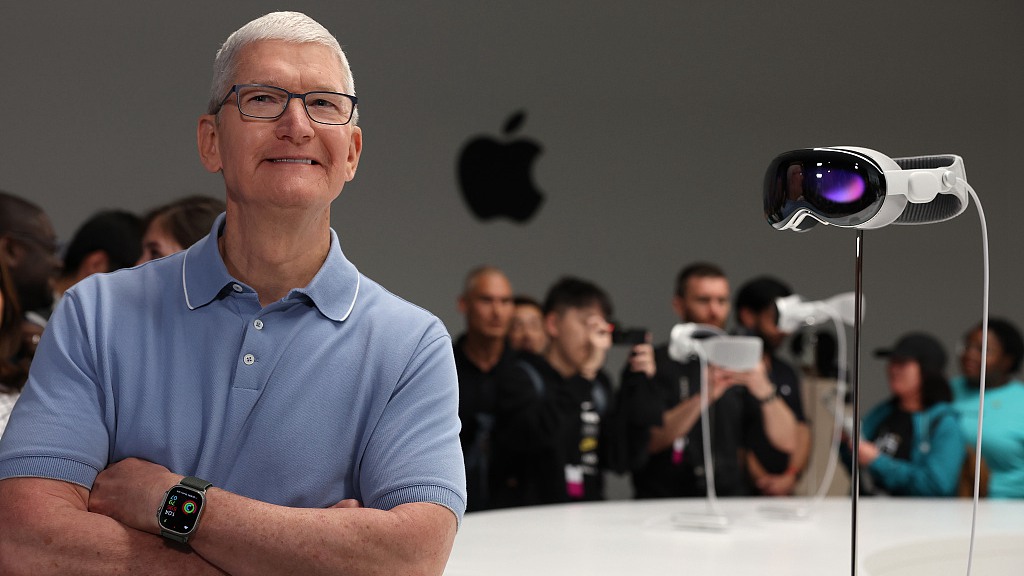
181	510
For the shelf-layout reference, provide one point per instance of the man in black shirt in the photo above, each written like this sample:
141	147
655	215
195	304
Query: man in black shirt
486	303
777	451
660	402
553	435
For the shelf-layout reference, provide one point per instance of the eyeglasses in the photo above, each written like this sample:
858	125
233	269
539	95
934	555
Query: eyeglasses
270	102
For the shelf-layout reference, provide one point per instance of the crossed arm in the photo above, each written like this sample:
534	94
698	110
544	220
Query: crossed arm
54	527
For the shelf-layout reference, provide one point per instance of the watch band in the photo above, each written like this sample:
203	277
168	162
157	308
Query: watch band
181	538
770	397
195	483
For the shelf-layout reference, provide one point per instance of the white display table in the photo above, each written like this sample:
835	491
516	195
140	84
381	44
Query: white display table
898	536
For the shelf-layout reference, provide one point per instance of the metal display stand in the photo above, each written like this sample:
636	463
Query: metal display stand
855	398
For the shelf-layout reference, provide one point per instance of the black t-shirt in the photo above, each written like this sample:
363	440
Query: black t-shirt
553	436
477	392
736	423
669	474
895	435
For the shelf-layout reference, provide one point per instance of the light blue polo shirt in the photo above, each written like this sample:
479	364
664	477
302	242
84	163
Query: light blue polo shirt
339	390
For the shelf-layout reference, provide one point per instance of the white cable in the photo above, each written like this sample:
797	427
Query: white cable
684	345
984	361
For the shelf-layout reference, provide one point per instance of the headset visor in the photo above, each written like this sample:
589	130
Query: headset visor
837	187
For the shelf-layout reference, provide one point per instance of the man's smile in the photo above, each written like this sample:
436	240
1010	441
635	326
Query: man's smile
307	161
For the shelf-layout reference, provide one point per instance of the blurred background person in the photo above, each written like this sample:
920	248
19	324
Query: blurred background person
30	253
527	331
911	444
554	432
481	351
1003	436
660	402
778	445
176	226
12	375
109	240
751	412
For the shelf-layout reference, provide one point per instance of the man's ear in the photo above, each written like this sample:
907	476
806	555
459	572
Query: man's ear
355	150
551	324
208	139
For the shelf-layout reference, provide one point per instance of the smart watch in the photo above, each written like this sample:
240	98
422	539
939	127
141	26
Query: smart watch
183	504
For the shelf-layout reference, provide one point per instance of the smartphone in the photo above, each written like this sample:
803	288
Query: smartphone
628	336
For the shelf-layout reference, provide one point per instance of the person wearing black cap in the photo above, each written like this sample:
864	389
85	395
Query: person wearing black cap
911	444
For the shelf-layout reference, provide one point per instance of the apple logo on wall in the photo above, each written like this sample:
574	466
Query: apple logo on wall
496	177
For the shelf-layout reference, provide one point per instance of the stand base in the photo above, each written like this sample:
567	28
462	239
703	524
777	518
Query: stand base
784	512
700	521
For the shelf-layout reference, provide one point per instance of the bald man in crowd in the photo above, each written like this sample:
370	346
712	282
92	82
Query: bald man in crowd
481	352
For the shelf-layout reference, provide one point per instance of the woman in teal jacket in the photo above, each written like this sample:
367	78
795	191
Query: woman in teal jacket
911	444
1003	439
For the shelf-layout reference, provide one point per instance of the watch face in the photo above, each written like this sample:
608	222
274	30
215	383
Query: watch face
181	510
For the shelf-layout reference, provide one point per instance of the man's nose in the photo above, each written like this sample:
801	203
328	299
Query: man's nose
295	122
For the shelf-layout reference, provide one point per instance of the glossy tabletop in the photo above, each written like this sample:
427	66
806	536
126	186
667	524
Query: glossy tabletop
794	537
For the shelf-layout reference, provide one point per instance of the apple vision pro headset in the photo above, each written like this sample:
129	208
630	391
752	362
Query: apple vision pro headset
860	188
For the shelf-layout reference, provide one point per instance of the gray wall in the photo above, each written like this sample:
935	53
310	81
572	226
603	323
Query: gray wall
657	120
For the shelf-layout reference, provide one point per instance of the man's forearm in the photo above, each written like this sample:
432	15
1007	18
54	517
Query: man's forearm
780	426
46	529
799	458
676	421
244	536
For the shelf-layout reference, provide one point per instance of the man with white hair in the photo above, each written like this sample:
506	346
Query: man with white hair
253	404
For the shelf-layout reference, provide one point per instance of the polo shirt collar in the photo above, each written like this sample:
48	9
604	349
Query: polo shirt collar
333	290
335	287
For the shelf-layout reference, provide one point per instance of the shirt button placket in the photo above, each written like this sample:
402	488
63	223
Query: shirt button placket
250	359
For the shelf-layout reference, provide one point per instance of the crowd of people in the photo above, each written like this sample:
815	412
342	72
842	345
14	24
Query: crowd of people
230	368
542	420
